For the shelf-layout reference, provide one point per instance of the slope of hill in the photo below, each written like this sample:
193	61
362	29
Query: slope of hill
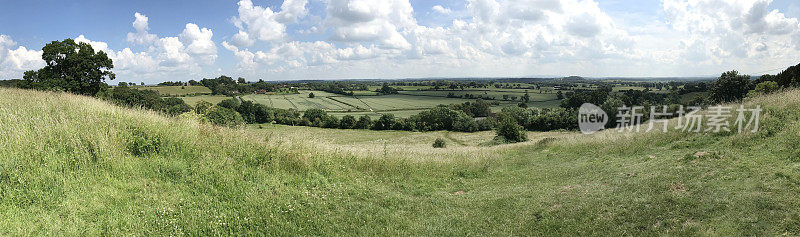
79	166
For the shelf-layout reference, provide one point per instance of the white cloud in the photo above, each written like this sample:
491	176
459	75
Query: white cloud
260	23
141	36
199	44
741	33
442	10
169	58
13	62
371	21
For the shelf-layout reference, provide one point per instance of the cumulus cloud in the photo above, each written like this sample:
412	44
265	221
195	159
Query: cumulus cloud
442	10
199	44
13	62
168	58
371	21
725	31
367	38
522	31
141	36
260	23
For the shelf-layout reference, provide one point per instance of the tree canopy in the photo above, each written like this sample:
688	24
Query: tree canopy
71	66
730	87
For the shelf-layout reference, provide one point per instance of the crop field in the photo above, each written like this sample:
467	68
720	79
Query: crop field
214	99
301	101
402	105
176	90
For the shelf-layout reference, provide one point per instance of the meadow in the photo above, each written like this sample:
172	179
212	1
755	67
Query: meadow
75	165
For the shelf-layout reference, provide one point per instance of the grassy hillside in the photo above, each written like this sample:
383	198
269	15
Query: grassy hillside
79	166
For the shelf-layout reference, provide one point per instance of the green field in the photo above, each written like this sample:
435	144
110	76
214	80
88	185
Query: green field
176	90
214	99
401	105
74	165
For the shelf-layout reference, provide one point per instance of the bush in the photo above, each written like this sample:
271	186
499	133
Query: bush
439	143
403	125
175	106
315	114
510	131
465	124
763	88
386	122
224	117
141	143
439	118
347	122
364	122
330	121
229	103
202	107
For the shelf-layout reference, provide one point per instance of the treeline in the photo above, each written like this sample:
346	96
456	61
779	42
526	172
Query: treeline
180	83
147	99
225	85
457	117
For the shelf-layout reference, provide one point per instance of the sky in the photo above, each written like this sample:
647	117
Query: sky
154	40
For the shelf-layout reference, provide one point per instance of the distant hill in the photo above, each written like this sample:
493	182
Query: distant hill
572	79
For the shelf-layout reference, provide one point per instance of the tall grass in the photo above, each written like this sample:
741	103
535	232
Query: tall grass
73	165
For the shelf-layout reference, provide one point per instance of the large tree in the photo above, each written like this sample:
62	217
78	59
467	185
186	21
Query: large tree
72	66
729	87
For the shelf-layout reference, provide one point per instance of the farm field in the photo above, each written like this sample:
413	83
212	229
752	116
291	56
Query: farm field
213	99
300	101
401	105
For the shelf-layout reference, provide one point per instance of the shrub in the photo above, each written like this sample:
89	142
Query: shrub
175	106
403	125
386	122
762	88
141	143
224	117
330	121
465	124
229	103
439	143
315	114
202	107
311	95
364	122
347	122
510	131
439	118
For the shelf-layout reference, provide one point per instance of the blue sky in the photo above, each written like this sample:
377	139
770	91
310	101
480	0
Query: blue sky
338	39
